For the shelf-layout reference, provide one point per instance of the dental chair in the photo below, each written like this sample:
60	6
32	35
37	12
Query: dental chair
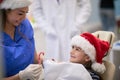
110	67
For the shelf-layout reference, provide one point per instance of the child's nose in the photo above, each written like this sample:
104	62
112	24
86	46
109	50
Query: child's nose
72	51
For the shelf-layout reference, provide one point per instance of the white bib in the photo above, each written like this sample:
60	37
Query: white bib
65	71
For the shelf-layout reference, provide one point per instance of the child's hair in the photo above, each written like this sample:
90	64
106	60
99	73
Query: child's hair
94	48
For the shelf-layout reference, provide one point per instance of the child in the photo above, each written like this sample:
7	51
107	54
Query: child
88	51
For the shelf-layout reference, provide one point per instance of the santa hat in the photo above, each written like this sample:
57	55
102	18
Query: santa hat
94	48
13	4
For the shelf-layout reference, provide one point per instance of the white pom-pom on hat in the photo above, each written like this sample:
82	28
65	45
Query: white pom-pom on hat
98	67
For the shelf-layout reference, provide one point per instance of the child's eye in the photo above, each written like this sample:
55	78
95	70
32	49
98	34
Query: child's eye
72	47
78	49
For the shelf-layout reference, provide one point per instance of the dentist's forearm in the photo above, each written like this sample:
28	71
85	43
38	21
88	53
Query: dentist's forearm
15	77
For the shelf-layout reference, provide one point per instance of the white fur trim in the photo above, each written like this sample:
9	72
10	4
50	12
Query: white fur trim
85	45
13	4
100	68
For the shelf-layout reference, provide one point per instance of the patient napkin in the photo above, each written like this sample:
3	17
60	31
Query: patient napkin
65	71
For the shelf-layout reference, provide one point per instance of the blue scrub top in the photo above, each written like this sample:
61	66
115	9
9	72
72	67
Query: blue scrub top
18	53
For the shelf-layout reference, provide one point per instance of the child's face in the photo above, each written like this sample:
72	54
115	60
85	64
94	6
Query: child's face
77	55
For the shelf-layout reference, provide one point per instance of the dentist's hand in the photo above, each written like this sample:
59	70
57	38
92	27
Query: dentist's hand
32	72
51	33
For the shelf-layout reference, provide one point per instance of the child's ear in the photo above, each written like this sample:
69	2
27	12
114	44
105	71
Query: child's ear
87	59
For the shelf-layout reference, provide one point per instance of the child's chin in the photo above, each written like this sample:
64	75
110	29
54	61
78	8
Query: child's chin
71	60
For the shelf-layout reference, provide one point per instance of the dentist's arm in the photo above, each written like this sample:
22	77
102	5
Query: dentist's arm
15	77
83	12
39	16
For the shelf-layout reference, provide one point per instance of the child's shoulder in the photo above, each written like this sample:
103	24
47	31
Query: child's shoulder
94	75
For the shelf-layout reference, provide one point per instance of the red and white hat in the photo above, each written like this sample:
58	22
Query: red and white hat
94	48
13	4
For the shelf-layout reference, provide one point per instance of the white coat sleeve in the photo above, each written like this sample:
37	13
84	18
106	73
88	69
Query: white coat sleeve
39	16
83	12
